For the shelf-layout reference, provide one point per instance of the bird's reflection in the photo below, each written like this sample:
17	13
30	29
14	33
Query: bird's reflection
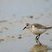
39	47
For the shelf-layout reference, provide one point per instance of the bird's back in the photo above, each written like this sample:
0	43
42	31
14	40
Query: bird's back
39	26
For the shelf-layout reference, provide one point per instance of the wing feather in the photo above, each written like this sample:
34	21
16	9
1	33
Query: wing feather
39	26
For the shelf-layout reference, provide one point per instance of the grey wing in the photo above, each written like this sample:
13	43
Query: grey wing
39	26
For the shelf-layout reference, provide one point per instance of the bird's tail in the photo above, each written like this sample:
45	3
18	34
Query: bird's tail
49	28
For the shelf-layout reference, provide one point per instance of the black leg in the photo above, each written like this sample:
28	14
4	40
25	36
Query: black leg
37	38
39	35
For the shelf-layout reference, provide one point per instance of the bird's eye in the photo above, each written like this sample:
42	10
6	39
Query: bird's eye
27	24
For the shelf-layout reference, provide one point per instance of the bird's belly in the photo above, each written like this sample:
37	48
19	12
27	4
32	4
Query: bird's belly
38	31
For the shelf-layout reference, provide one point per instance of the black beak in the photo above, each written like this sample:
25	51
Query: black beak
24	28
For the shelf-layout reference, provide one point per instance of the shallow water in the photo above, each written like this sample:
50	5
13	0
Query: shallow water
13	16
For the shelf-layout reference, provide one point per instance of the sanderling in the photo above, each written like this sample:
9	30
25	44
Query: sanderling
36	29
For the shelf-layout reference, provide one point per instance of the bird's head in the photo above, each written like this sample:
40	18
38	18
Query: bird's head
27	26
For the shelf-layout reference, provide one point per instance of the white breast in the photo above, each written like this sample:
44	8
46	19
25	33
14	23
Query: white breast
37	31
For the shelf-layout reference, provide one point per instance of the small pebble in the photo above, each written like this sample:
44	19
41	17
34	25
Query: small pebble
13	37
47	33
31	16
20	36
6	28
1	40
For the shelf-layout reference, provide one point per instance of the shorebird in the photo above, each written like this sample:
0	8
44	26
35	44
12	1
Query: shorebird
36	29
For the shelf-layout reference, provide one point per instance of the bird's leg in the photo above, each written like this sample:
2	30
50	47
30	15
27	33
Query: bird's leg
37	38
